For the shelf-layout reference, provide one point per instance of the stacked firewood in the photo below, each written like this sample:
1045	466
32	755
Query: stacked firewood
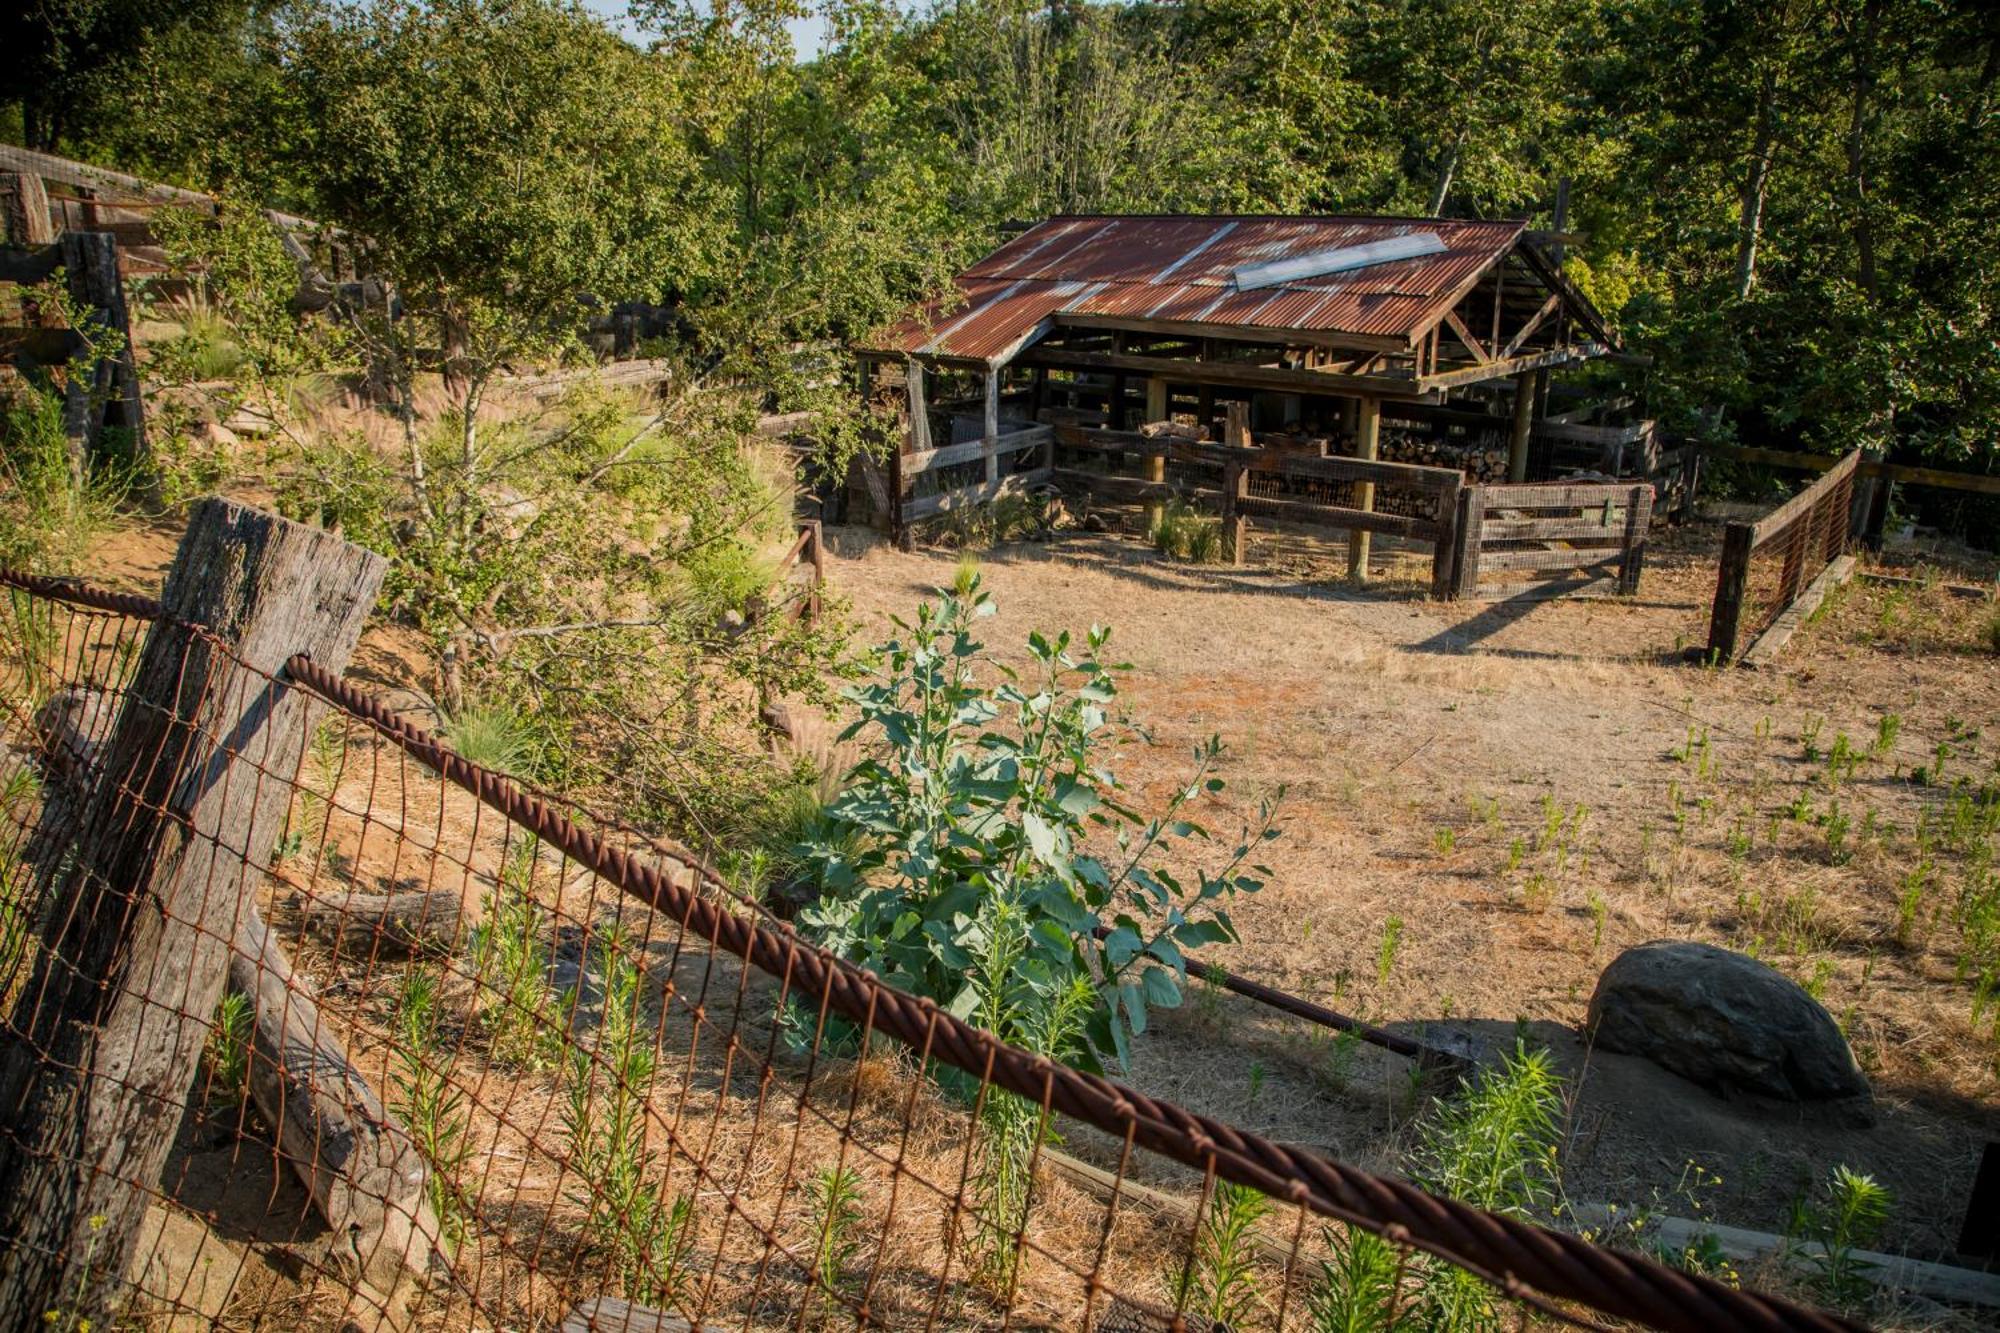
1483	458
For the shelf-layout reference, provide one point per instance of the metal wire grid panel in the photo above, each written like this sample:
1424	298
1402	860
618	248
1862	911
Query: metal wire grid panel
483	1062
1765	565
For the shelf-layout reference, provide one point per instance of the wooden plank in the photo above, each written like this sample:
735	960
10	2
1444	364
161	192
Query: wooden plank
96	1067
984	493
1891	1272
1557	495
1501	369
1732	577
1589	527
1253	333
1780	631
1978	483
1467	561
1576	558
1226	375
1802	504
1338	516
930	460
1405	476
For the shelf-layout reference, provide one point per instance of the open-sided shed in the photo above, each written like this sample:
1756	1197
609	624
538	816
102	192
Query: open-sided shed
1305	329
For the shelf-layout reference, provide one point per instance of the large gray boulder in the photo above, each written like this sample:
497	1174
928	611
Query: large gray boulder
1725	1021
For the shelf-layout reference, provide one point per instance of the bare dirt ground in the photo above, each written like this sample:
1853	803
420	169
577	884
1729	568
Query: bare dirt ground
1505	782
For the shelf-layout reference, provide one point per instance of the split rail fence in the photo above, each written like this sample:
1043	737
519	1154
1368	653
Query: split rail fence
1772	571
310	1021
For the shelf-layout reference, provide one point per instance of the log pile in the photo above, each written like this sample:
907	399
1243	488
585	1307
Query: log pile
1483	458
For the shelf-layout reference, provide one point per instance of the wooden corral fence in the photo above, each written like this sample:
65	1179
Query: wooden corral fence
1428	497
929	482
797	598
1774	571
33	336
1552	530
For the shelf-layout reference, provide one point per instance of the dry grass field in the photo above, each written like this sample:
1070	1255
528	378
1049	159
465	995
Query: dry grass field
1517	792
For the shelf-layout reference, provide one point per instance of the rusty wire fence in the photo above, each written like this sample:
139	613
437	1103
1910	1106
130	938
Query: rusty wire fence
1766	565
485	1063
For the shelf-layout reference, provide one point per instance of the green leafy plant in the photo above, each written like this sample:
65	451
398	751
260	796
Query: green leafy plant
1354	1290
1216	1284
1385	949
429	1102
510	951
227	1054
493	735
1847	1215
1492	1146
631	1210
961	845
834	1216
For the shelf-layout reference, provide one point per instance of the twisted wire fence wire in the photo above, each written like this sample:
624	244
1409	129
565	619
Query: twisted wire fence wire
578	1070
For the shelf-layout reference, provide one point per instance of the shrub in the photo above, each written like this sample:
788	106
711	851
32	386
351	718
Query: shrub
1180	531
971	883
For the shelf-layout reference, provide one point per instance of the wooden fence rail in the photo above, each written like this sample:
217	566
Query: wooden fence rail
996	451
1234	465
1806	533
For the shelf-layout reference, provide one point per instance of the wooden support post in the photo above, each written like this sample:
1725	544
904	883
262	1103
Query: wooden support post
103	1042
90	265
1156	465
1524	420
1875	513
1235	528
1204	406
1367	443
1471	519
991	426
1732	577
917	440
1444	553
1235	483
1638	521
24	210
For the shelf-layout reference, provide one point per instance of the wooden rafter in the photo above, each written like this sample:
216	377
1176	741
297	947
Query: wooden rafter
1535	321
1472	344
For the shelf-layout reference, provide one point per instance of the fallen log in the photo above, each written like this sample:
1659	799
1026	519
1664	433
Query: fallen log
360	1165
369	925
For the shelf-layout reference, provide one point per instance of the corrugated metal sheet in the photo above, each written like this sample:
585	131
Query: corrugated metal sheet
1180	269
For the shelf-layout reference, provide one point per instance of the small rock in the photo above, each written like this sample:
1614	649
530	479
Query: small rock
215	434
1725	1021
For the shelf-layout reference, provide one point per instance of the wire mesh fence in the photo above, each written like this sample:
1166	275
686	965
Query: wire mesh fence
1766	565
483	1061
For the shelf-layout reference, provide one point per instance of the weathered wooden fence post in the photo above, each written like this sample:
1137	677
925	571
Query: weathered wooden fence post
103	1044
1367	445
111	396
1444	553
1732	580
1471	520
1638	522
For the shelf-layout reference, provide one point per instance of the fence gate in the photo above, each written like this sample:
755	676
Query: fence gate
1552	530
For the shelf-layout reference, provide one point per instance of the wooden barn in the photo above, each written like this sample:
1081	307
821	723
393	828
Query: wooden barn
1087	343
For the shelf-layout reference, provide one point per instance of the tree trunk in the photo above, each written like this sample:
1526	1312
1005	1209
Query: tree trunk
1447	169
1857	129
102	1046
1750	217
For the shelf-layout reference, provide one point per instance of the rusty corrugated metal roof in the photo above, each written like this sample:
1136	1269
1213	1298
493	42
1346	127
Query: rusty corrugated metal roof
1181	269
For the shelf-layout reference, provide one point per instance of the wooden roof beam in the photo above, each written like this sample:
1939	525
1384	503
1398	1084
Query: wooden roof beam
1358	342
